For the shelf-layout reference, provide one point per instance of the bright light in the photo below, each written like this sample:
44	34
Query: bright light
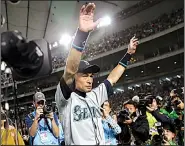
126	75
130	88
55	44
175	62
104	21
65	40
142	71
50	46
137	85
178	76
167	79
158	67
7	70
148	84
7	106
121	90
3	66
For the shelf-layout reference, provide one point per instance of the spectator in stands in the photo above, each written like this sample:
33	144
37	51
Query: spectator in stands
43	128
110	126
9	135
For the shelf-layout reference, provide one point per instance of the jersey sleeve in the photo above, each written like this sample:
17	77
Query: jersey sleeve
63	93
102	92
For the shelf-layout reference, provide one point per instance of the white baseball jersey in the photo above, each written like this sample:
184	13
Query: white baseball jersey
82	120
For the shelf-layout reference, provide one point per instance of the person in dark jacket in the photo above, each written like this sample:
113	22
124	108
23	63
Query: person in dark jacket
137	123
154	109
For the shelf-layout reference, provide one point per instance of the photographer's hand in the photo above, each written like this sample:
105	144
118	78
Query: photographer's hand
166	142
33	128
128	121
39	112
50	116
150	109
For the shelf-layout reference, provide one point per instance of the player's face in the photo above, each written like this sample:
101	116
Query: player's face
84	82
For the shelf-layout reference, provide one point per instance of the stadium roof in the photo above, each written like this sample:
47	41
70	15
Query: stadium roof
50	19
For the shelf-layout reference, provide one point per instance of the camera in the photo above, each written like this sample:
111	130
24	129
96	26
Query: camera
158	139
14	1
123	115
46	110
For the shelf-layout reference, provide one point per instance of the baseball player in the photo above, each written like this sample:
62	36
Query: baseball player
79	104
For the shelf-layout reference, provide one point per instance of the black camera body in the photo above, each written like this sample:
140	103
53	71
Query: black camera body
158	139
46	110
123	115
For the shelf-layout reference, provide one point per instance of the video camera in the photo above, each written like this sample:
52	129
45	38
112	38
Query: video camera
26	59
158	139
123	115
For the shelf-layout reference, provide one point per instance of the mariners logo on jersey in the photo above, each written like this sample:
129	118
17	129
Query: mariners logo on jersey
80	113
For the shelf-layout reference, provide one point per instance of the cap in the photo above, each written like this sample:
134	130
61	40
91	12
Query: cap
86	67
169	127
39	96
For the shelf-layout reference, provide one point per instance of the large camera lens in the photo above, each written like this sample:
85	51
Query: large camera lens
47	109
14	1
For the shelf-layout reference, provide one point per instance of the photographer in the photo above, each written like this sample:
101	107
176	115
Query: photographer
136	122
42	123
169	134
174	107
110	126
154	109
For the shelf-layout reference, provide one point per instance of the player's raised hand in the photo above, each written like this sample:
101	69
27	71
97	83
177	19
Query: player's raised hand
133	45
86	22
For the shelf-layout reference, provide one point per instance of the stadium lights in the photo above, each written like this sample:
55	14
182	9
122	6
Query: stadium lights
7	106
50	47
178	76
121	90
65	39
3	66
105	21
7	70
55	44
167	79
130	88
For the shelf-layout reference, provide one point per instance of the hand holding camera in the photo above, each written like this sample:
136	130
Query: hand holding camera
50	116
39	112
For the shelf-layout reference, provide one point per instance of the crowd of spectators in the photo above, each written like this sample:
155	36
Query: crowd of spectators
162	90
42	83
140	6
116	40
118	98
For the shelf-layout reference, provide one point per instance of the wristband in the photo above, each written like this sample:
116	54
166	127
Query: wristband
124	61
80	40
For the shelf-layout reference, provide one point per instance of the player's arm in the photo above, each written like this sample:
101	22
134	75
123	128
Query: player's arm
86	24
117	72
104	90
